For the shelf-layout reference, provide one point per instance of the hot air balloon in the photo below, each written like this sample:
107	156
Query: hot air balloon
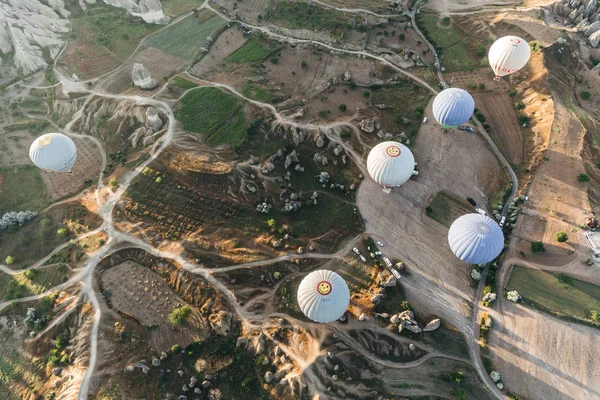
53	152
453	107
475	238
390	164
508	55
323	296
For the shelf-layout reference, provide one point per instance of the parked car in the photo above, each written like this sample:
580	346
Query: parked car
378	253
425	120
396	273
503	220
379	243
473	202
480	211
387	261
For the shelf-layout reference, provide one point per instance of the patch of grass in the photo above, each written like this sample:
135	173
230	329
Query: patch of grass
174	8
183	83
252	51
562	296
31	282
215	114
256	92
22	189
445	209
185	38
114	28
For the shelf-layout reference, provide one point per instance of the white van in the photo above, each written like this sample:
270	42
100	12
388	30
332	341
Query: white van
425	120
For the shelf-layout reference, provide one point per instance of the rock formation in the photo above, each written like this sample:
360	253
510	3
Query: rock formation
141	77
584	15
153	121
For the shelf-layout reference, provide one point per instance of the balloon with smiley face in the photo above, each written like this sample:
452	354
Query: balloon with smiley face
390	164
323	296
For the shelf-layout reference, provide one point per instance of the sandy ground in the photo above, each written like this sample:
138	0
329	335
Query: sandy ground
87	167
445	164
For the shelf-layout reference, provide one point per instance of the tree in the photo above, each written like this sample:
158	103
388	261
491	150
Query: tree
9	260
175	348
482	86
179	315
352	84
523	119
480	51
585	95
113	183
405	305
512	93
561	237
343	107
158	180
271	223
429	210
303	64
401	36
62	232
583	178
519	105
274	60
30	274
537	247
595	316
260	17
366	93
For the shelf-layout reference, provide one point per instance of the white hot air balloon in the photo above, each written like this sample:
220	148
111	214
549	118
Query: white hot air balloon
475	238
508	55
323	296
390	164
453	107
53	152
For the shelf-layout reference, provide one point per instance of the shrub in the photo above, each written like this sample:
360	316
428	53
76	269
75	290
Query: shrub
585	95
512	93
482	86
342	107
62	232
429	210
9	260
401	36
175	348
589	262
583	178
537	247
595	316
524	119
519	105
561	237
405	305
30	274
352	84
113	183
366	93
480	51
513	296
179	315
158	180
274	60
303	64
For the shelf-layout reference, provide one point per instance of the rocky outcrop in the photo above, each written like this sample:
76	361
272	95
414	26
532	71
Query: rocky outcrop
149	10
367	125
153	121
584	15
141	77
432	325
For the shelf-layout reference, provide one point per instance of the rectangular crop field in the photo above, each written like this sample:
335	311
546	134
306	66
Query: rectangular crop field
185	38
22	189
173	8
255	92
301	15
215	114
252	51
445	209
558	294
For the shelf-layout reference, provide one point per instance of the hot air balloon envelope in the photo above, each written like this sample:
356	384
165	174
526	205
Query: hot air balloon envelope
453	107
390	164
53	151
508	55
323	296
475	238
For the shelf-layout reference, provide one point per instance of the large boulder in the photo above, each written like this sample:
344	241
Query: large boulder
367	125
595	39
141	77
589	8
153	121
432	325
593	28
268	376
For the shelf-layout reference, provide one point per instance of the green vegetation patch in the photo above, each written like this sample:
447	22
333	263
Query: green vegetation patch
185	38
253	51
301	15
405	103
173	8
559	294
445	209
21	189
31	282
184	83
215	114
449	43
256	92
113	28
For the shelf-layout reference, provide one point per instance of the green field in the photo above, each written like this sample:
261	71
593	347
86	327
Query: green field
217	115
184	83
185	38
445	209
22	189
252	51
256	92
19	374
113	28
455	53
560	295
173	8
301	15
31	283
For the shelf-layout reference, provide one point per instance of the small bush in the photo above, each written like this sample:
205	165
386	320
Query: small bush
352	84
30	274
537	247
158	180
482	86
274	60
561	237
401	36
113	183
585	95
583	178
429	210
179	315
595	316
519	105
175	348
480	51
405	306
343	107
512	93
366	93
9	260
62	232
524	119
303	64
